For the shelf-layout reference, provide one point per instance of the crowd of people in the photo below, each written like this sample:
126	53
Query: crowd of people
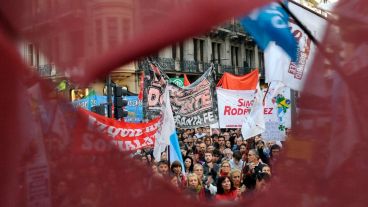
218	165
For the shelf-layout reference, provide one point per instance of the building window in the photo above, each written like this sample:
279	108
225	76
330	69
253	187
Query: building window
234	56
126	28
261	60
112	31
99	35
216	52
249	58
77	44
178	51
30	54
33	55
198	50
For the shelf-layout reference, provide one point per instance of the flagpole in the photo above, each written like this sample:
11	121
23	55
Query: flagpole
168	154
299	23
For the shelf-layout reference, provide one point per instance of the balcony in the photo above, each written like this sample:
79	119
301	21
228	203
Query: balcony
171	65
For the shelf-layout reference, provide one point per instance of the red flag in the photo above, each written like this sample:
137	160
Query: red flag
186	81
141	88
245	82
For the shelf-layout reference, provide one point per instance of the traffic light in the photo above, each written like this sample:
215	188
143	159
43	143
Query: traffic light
119	102
99	109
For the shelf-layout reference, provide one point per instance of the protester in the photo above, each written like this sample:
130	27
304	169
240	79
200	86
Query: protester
163	168
176	169
235	176
236	162
225	168
188	165
226	190
209	167
266	169
195	188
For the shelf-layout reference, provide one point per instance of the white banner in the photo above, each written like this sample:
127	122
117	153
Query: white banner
277	112
233	106
278	66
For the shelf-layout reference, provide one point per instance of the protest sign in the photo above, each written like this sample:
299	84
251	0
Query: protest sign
195	106
234	106
124	136
277	112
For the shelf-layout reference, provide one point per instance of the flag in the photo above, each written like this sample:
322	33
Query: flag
254	123
186	81
62	85
245	82
166	127
269	24
141	84
175	153
279	66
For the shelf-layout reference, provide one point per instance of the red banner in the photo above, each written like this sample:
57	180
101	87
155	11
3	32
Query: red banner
121	135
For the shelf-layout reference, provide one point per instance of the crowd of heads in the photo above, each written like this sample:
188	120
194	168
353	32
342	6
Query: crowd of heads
217	165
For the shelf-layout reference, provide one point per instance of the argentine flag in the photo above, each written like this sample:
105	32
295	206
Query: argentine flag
175	153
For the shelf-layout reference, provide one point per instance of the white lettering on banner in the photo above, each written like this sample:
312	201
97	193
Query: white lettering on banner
113	131
90	143
195	120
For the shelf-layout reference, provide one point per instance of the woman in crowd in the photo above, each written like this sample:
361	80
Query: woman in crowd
235	176
195	188
188	164
177	171
266	169
228	144
226	190
206	181
208	141
224	169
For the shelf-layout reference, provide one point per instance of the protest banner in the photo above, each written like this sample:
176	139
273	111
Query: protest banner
122	135
154	87
233	106
194	106
277	112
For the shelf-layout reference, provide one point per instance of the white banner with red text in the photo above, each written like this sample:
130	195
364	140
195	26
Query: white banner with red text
234	106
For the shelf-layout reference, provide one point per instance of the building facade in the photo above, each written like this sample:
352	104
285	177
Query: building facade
107	24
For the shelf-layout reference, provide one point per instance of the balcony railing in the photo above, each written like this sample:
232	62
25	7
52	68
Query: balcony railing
188	66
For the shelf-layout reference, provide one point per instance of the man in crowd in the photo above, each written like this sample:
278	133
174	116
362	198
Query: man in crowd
163	168
210	168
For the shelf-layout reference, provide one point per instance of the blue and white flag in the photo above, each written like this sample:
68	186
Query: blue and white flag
175	152
166	128
268	24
